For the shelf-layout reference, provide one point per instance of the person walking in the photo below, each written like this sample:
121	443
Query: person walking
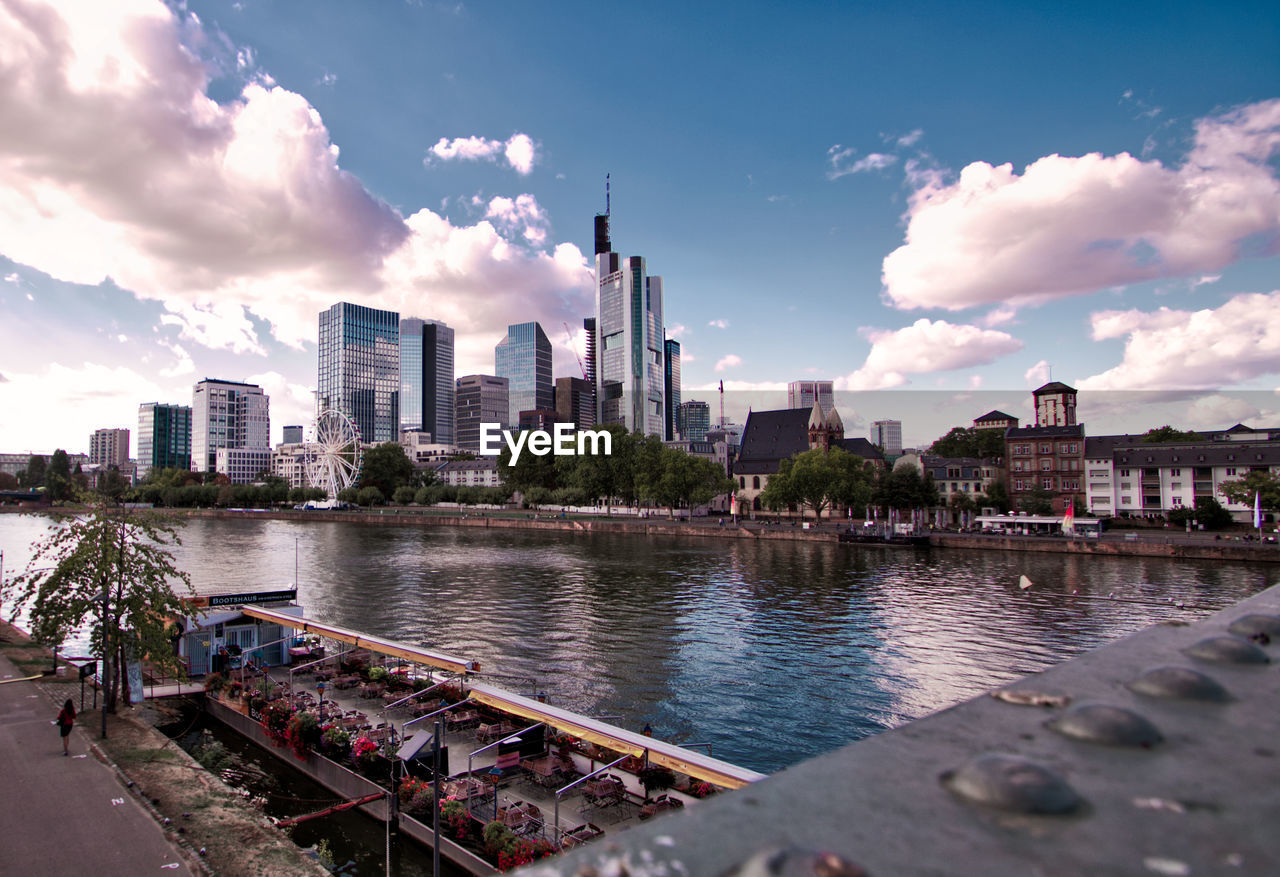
66	720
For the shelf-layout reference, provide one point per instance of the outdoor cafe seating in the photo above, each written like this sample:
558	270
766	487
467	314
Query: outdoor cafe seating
660	804
580	835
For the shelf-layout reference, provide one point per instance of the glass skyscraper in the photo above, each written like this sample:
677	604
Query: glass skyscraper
164	437
671	387
360	368
426	378
524	359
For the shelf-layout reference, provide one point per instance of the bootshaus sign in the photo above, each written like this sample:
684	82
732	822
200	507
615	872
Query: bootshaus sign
564	440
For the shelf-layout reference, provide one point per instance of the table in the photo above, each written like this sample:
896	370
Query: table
580	835
545	771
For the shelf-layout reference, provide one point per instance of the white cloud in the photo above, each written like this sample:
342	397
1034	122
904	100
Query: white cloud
999	316
1205	280
731	360
925	346
229	214
184	365
291	403
840	159
519	151
719	324
1037	375
1070	226
328	79
519	214
975	382
678	330
1216	411
12	278
911	139
741	387
1191	350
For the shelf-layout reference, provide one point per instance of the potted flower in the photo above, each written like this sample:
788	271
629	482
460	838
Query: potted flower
453	815
364	752
303	733
335	742
214	683
275	721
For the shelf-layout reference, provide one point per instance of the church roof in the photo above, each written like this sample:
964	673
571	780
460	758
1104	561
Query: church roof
1053	387
816	417
833	420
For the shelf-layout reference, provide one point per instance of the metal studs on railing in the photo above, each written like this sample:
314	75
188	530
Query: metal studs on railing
1228	650
796	862
1259	628
1109	725
1181	683
1012	782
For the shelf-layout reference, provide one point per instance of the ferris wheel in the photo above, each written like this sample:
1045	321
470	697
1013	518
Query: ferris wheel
334	457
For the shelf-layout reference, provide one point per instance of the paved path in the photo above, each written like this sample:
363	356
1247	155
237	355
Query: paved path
66	815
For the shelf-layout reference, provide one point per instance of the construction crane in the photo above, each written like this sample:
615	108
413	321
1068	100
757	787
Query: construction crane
574	347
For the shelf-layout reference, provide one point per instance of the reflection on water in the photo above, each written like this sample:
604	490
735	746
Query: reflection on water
771	652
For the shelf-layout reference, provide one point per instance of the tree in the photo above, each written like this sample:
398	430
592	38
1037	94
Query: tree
370	496
996	497
386	467
33	476
57	477
818	479
1037	501
404	495
602	477
1166	434
126	555
983	444
8	482
1208	511
112	485
904	488
1264	484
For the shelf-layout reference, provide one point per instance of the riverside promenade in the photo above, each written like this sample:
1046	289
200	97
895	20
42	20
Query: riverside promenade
67	815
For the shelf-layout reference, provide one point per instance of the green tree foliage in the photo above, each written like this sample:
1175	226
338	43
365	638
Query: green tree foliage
904	488
125	554
112	486
819	479
370	496
1036	501
57	478
404	495
531	470
1208	511
996	496
671	477
1242	490
386	467
984	444
8	482
1166	434
599	476
33	476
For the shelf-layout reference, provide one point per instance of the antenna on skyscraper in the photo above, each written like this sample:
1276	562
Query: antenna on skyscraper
606	194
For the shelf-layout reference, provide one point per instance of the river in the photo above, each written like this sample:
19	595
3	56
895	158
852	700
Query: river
771	652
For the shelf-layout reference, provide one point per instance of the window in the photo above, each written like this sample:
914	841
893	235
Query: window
1124	473
755	482
1176	502
1126	500
1046	464
1017	465
1175	472
1019	484
1070	483
742	481
1177	485
1046	483
1231	471
1069	448
1046	448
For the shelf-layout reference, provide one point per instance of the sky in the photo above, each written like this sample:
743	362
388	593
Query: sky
938	206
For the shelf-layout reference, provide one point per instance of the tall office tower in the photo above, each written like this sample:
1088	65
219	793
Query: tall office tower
887	435
671	387
524	359
227	414
164	437
630	378
360	368
589	324
426	378
109	447
292	435
802	394
575	402
693	419
480	399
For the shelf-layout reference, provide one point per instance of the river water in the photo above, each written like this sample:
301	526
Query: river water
772	652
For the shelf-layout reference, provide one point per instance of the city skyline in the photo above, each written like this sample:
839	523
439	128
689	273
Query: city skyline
843	194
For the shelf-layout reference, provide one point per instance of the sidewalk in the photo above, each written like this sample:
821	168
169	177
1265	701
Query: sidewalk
62	815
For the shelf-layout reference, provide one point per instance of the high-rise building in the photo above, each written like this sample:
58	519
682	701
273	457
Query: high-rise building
671	386
109	447
164	437
360	368
589	326
426	378
524	359
292	435
480	399
630	377
802	394
575	402
227	414
693	420
887	436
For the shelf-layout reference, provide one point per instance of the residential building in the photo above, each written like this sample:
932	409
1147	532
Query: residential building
802	394
887	435
631	378
995	420
164	437
693	420
243	465
480	472
671	386
423	451
772	436
109	447
292	435
227	414
479	399
289	461
575	402
359	374
524	359
426	378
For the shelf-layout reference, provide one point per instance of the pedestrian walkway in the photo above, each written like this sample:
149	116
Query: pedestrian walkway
66	815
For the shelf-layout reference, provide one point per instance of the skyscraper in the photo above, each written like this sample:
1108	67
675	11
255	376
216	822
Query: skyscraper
164	437
360	368
292	435
524	359
227	414
426	378
693	420
480	399
671	387
802	394
575	402
630	377
109	447
887	435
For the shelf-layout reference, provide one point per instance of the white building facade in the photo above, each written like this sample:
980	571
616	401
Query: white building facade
227	414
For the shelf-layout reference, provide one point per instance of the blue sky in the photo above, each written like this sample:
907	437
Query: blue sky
932	204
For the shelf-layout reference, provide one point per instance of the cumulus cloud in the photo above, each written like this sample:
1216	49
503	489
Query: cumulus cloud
925	346
1069	226
732	360
12	278
840	159
1191	350
910	139
719	324
236	216
519	151
1037	375
520	214
677	330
